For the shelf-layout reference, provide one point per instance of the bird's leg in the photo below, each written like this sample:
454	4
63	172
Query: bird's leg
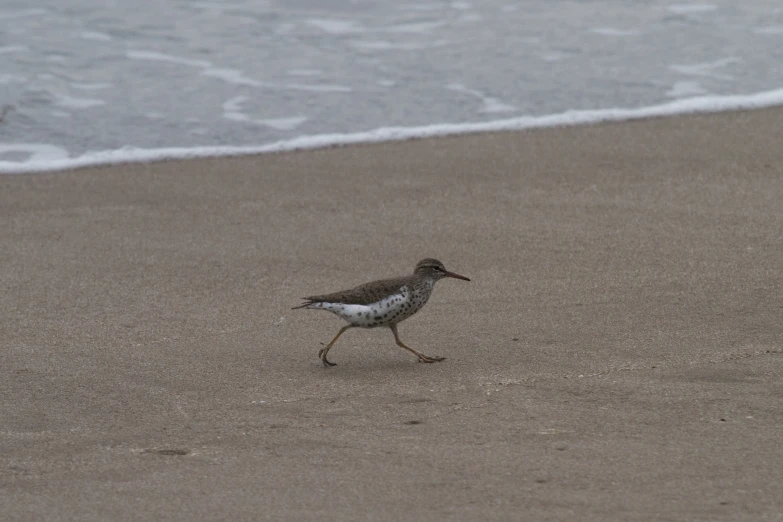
422	358
323	351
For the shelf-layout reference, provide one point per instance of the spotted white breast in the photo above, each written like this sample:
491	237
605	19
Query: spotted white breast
390	310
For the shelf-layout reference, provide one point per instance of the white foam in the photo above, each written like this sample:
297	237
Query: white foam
417	27
336	27
234	104
232	76
612	31
90	86
13	49
420	6
770	29
49	158
283	124
469	18
38	153
490	104
236	116
683	89
8	15
212	7
160	57
286	28
706	68
553	56
232	110
691	8
312	88
12	78
493	105
384	45
93	35
304	72
70	102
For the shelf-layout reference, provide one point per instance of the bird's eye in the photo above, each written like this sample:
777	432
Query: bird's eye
436	268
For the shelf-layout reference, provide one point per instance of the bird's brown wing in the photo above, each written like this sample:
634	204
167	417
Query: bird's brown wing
364	294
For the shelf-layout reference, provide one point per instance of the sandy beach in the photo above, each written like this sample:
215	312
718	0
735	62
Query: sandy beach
616	356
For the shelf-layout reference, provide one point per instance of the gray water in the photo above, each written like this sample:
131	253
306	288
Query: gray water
89	75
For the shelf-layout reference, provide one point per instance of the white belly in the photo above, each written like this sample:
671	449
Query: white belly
391	310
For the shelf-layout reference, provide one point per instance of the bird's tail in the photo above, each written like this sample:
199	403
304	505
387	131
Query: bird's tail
303	305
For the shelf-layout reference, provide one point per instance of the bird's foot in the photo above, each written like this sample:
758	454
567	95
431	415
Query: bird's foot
322	356
429	359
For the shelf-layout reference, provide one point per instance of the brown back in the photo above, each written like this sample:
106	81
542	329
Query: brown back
364	294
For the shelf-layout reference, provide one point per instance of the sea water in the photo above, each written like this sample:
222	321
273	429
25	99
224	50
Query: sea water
90	82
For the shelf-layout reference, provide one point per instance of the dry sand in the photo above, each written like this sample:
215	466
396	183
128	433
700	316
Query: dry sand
617	355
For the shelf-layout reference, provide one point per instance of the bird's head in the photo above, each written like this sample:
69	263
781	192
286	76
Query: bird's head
434	269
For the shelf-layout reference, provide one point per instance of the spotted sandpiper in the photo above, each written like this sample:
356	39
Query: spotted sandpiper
382	303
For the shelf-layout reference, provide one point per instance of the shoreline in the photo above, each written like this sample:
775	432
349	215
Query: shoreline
570	118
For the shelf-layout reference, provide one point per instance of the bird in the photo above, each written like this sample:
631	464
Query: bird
385	302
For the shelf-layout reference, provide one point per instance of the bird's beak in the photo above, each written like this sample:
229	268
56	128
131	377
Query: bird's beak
456	276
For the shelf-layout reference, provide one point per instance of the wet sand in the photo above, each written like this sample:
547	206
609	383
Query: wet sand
617	355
